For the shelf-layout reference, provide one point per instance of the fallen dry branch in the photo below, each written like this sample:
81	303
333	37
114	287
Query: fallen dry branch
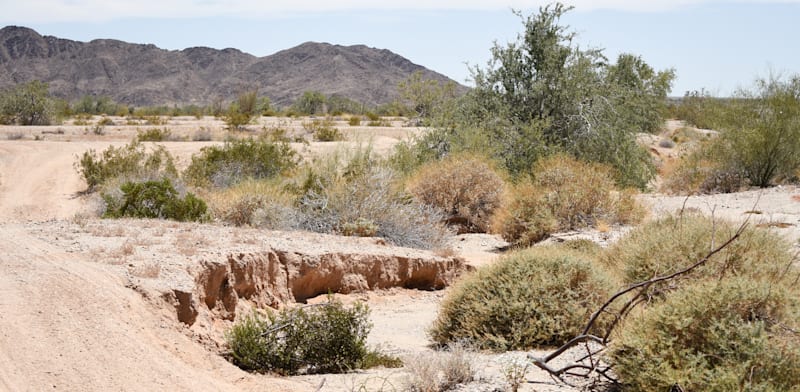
594	365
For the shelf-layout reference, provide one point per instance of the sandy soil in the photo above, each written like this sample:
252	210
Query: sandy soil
72	318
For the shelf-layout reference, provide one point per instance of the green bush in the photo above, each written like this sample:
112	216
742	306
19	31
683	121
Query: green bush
531	298
468	190
242	111
565	194
154	135
131	161
27	104
238	160
676	242
728	335
328	338
153	199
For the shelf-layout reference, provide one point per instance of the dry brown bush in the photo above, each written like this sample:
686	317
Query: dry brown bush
467	189
564	194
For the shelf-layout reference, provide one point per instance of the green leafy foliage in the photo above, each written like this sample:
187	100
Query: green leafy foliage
310	103
131	161
329	338
153	199
27	104
543	94
238	160
242	111
531	298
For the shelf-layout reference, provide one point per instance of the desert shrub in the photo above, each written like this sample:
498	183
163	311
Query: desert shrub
27	104
202	135
153	199
242	111
530	298
441	371
329	338
676	242
323	130
131	161
366	196
564	194
354	121
467	189
103	121
723	335
257	203
154	135
237	160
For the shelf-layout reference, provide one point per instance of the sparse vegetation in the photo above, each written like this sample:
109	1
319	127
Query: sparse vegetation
242	111
329	338
154	135
323	130
530	298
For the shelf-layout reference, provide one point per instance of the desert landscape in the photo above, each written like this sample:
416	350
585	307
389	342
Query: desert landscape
338	218
97	304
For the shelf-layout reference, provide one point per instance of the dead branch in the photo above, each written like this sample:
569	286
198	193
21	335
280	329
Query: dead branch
639	297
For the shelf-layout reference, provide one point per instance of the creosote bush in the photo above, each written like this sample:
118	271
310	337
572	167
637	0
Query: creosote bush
326	338
131	161
238	160
467	189
715	335
532	298
153	199
564	194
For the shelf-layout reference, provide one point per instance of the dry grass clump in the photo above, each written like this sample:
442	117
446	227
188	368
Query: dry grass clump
703	171
531	298
467	189
350	192
441	371
728	335
323	130
564	194
675	242
258	203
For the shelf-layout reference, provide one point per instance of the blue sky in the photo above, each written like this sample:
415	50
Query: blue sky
713	44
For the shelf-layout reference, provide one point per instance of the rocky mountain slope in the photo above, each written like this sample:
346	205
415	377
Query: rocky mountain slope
145	75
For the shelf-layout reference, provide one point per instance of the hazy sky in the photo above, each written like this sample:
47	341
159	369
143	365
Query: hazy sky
713	44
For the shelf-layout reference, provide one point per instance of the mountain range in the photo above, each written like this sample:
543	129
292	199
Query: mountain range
145	75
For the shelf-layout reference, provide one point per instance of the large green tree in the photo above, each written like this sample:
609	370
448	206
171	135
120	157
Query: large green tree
545	93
